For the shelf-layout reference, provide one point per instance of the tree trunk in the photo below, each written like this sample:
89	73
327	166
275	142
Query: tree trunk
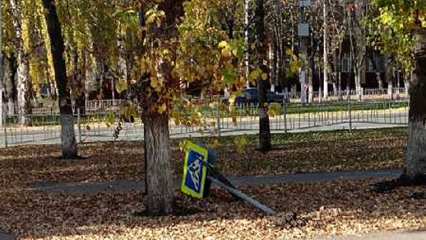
23	74
379	80
122	62
407	84
325	53
247	40
263	84
303	73
389	77
293	91
416	149
159	173
310	85
334	88
69	145
159	197
1	68
358	86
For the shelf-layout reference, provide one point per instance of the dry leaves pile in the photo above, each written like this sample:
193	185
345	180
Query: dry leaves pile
306	211
124	161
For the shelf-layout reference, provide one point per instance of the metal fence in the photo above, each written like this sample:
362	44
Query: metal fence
94	127
368	94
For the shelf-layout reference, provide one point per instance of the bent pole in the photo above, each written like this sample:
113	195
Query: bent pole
243	196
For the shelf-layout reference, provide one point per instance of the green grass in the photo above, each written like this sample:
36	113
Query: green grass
297	108
312	137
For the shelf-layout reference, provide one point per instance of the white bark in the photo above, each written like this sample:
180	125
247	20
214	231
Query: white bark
69	146
379	80
358	87
11	107
23	83
335	89
416	149
310	87
122	64
390	89
23	90
325	53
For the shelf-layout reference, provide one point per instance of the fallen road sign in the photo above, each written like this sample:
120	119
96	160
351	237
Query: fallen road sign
199	172
195	170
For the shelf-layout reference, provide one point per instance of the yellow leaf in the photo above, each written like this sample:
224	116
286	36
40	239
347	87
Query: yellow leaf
223	44
121	86
162	108
226	53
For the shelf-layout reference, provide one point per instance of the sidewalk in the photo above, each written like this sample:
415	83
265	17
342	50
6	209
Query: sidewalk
420	235
129	186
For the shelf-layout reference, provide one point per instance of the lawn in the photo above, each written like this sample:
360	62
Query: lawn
305	210
292	153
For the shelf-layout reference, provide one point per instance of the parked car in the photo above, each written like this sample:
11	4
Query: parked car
250	97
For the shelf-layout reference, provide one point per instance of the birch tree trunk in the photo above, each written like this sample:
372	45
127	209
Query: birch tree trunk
325	48
122	62
358	86
23	71
310	74
389	75
379	80
416	149
69	145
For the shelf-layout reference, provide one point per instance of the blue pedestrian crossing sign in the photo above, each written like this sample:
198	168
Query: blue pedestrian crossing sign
195	170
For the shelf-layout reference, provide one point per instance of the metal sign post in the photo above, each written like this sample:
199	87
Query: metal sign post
199	173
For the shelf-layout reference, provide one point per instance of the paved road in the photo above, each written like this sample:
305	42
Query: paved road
5	236
246	125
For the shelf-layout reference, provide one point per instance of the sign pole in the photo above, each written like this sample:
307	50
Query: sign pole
243	196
